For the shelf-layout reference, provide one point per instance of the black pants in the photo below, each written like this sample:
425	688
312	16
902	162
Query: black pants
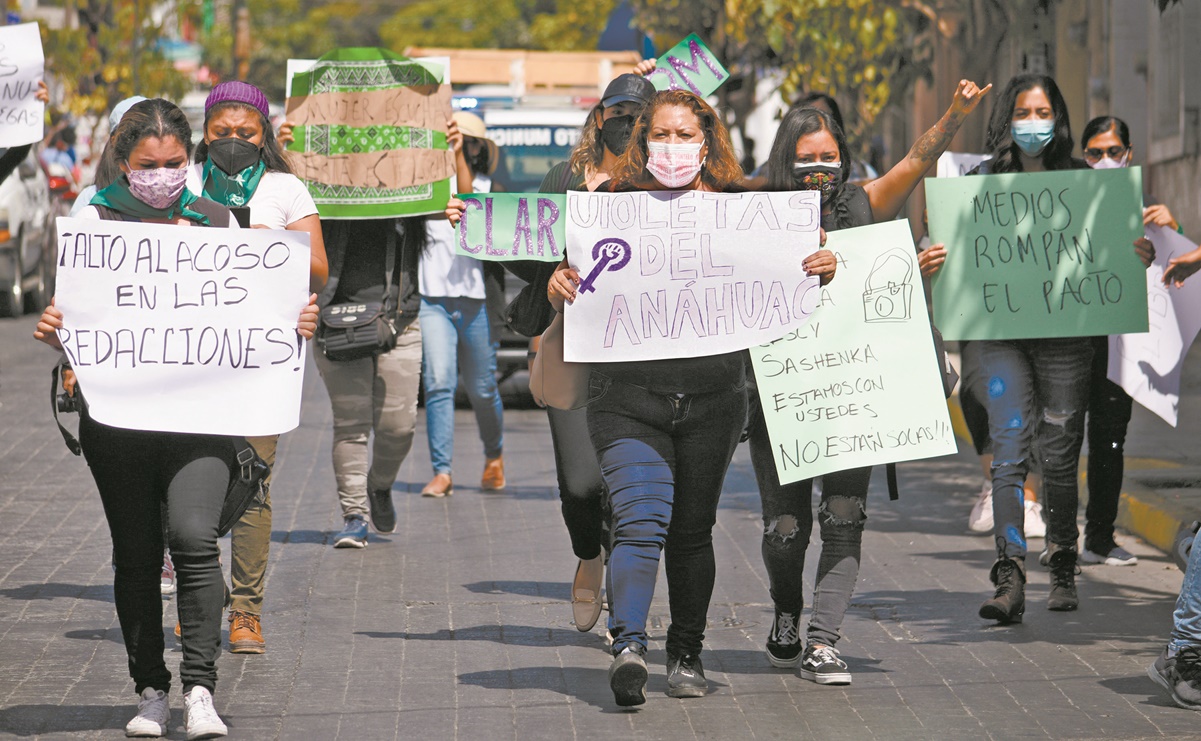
581	489
139	474
1109	409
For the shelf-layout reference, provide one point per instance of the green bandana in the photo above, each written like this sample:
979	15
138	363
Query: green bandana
229	190
118	197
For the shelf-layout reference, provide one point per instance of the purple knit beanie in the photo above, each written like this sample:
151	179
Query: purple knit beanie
236	91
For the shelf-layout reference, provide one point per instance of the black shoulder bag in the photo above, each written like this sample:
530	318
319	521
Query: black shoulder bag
358	329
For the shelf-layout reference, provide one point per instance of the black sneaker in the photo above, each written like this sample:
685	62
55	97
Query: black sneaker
383	514
784	641
686	676
821	664
627	677
1180	675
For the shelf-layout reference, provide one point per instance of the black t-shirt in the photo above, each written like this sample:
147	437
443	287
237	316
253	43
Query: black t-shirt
357	252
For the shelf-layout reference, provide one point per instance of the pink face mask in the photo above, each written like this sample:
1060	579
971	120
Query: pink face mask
157	188
674	165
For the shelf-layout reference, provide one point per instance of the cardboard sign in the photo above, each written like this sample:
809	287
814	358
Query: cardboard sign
689	65
184	329
859	385
1046	254
679	274
512	226
1148	365
370	134
958	164
21	67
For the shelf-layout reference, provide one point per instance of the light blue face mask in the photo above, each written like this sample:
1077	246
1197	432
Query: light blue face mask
1033	135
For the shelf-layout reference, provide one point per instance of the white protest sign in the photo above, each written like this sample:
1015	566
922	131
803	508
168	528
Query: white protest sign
681	274
21	67
184	329
956	164
860	384
1148	364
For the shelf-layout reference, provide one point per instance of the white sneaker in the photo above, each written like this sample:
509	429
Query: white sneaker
1034	525
200	717
154	711
980	520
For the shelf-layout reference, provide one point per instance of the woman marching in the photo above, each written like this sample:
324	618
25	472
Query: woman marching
1038	389
240	164
810	153
140	474
665	430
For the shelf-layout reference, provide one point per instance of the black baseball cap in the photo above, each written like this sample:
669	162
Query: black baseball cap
628	87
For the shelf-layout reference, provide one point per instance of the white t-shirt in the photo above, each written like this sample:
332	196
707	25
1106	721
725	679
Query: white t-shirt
442	273
279	200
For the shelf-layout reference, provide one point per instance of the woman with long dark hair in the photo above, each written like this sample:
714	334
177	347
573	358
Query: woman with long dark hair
810	153
665	430
1038	388
140	474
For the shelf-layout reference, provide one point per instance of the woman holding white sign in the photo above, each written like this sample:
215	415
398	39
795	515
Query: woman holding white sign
665	430
240	164
140	474
1037	388
810	153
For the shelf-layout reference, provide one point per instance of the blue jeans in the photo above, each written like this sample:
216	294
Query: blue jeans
788	525
664	459
1037	398
455	337
1186	621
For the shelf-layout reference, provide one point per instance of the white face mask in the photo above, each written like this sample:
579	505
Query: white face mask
1106	163
674	165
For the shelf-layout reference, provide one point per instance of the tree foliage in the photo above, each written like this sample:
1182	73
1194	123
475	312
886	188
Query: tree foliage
559	25
112	55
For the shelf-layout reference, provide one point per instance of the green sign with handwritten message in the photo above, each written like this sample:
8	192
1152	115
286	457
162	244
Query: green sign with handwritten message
1046	254
689	65
511	226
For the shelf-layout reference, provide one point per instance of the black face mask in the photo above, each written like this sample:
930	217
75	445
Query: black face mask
233	155
616	133
818	177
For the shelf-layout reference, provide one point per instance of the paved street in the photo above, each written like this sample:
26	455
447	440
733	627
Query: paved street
458	625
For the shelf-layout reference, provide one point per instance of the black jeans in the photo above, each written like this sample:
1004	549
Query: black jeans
788	524
581	489
139	474
664	459
1109	409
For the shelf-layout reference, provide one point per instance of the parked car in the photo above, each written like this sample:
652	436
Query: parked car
27	240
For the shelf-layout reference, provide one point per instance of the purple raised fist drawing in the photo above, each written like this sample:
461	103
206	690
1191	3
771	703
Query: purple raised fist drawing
610	254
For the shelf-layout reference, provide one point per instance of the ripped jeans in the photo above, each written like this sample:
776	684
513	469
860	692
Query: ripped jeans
788	524
1037	397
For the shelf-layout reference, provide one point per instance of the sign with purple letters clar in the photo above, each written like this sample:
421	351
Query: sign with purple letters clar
184	329
678	274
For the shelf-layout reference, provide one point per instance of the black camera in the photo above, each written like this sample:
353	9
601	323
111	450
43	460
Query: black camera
68	404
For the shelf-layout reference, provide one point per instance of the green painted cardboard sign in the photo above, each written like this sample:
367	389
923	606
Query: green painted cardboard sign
512	226
1033	255
859	384
689	65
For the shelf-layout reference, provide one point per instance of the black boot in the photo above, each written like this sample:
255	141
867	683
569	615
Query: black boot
1009	601
1063	581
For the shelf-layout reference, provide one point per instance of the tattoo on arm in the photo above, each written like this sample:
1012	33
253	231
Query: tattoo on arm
935	141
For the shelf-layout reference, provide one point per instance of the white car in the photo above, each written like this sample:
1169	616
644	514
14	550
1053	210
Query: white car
27	240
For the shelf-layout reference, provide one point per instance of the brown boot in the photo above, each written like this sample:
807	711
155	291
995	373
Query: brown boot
439	486
494	474
1008	604
245	634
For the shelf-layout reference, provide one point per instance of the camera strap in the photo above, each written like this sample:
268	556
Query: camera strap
68	438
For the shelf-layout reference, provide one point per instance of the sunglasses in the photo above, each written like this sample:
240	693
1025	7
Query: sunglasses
1095	155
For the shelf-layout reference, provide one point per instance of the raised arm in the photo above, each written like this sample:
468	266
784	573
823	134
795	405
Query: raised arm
888	193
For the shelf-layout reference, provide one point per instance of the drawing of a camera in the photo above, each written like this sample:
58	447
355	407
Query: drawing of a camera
888	293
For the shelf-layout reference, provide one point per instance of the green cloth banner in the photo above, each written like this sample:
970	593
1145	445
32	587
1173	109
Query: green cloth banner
689	65
370	134
858	385
1033	255
512	226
